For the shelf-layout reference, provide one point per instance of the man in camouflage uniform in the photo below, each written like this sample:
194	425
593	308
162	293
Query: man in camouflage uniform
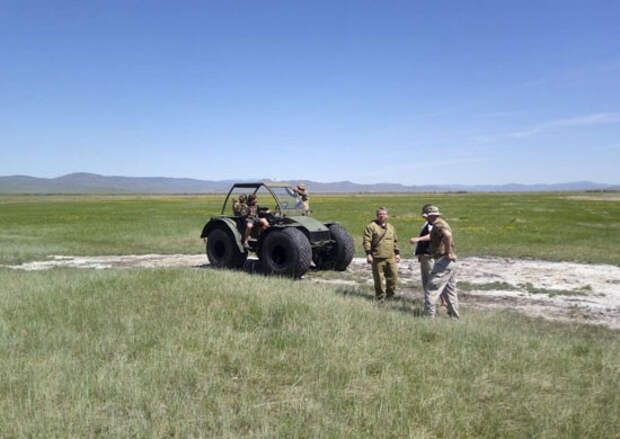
240	206
381	246
305	197
442	279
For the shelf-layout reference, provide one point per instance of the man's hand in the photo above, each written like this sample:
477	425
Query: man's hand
451	256
369	259
417	239
397	258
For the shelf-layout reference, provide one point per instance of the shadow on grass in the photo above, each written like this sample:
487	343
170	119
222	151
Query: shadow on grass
402	304
250	266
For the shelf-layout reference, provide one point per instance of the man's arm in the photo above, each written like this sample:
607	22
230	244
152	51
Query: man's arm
396	249
447	242
367	243
417	239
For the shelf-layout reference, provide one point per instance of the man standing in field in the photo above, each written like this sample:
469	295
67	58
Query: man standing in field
442	279
423	251
423	248
381	246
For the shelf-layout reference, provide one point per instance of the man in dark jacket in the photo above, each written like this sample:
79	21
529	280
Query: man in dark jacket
423	248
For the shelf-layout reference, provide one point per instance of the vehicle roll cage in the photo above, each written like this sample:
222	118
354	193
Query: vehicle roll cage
256	186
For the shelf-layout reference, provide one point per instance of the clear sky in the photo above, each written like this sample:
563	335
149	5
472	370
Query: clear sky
412	92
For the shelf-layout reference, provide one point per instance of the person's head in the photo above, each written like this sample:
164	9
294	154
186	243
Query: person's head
382	214
432	213
252	199
243	198
301	187
425	209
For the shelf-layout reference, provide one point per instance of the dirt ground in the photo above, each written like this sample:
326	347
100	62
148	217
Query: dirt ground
554	290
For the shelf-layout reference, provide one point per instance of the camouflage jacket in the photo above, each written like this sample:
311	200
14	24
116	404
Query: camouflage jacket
380	241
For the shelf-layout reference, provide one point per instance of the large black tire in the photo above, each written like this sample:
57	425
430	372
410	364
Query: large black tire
340	255
286	252
222	250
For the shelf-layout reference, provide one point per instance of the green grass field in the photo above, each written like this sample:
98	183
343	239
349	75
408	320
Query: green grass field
546	226
214	353
206	353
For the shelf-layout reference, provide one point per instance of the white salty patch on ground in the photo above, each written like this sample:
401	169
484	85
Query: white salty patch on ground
597	286
116	261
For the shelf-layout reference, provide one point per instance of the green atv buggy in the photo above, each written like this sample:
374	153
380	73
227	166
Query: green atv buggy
288	246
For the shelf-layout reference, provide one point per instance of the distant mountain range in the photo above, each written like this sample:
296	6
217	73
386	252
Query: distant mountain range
93	183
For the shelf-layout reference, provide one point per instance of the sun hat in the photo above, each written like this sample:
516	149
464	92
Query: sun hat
431	210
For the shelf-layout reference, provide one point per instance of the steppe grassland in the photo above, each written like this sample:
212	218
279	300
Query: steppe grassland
214	353
206	353
569	227
34	227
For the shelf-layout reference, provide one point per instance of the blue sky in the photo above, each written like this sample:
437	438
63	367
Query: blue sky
485	92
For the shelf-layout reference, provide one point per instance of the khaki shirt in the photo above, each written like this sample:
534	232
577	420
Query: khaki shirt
303	194
387	247
438	248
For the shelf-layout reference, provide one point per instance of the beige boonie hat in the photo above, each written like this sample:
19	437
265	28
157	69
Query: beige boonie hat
432	210
301	186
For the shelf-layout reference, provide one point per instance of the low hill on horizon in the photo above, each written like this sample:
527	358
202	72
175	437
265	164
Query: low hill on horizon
78	183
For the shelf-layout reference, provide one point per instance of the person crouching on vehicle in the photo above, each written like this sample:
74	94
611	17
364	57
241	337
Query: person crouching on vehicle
305	197
252	219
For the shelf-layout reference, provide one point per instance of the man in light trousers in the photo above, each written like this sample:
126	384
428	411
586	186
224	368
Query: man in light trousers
442	280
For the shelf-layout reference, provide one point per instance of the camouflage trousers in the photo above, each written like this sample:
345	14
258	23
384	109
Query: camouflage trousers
442	280
384	271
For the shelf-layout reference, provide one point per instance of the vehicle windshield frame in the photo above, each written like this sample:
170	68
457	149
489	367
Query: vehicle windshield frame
282	204
287	199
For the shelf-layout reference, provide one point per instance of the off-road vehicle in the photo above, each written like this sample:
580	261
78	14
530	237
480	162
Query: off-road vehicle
288	246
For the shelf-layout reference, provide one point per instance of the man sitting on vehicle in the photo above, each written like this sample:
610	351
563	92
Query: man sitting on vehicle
254	215
240	205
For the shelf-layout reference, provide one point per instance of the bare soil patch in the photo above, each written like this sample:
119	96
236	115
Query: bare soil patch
614	196
554	290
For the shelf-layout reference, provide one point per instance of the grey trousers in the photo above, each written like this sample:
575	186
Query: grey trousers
426	267
442	280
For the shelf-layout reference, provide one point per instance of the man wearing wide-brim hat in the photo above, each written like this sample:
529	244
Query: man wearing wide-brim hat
442	279
305	198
